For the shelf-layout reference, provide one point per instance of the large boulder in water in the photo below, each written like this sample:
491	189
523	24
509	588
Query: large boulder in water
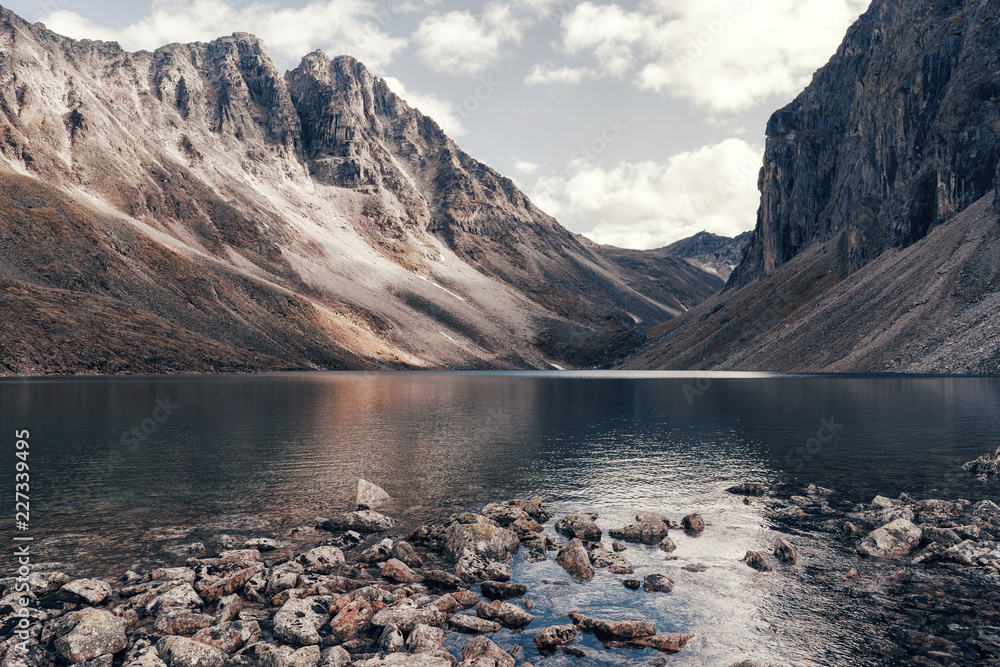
482	537
370	496
892	540
580	526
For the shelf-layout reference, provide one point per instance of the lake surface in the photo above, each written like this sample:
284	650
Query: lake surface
260	455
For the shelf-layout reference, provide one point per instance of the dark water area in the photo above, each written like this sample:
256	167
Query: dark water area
119	463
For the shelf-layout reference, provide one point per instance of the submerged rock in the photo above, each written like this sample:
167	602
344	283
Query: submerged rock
784	552
892	540
987	464
757	561
658	583
497	590
694	524
613	630
612	562
504	613
362	521
748	489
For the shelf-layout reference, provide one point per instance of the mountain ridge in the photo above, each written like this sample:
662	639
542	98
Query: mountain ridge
311	219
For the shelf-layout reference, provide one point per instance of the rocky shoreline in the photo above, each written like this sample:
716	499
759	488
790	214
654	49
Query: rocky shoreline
435	596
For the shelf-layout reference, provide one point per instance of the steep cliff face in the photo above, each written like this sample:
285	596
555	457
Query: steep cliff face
878	236
307	220
896	135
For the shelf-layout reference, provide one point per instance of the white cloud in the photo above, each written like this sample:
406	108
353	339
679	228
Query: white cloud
339	27
722	55
547	74
442	111
652	204
529	168
459	42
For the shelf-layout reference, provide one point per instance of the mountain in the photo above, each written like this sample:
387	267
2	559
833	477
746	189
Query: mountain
194	210
716	254
876	242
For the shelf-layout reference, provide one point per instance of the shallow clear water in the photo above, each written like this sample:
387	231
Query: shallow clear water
289	448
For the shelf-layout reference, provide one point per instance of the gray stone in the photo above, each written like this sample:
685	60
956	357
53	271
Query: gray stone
370	496
88	633
298	621
89	591
892	540
184	652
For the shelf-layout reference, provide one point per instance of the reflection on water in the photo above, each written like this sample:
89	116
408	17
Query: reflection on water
109	465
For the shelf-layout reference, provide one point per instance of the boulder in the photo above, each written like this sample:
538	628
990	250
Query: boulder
497	590
229	637
482	539
667	545
987	464
988	511
362	521
443	580
651	529
88	633
377	553
322	560
335	657
784	552
185	574
505	613
406	617
473	624
284	576
972	553
89	591
264	544
390	640
580	526
943	536
184	652
694	524
574	559
757	561
181	622
612	562
658	583
425	640
666	643
406	660
404	551
299	620
228	585
748	489
549	639
145	658
535	509
481	652
352	620
370	496
613	630
182	596
892	540
398	571
286	656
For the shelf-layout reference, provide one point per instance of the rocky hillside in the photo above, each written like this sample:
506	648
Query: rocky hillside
877	238
193	209
710	252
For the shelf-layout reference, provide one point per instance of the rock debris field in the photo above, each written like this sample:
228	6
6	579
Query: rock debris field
436	596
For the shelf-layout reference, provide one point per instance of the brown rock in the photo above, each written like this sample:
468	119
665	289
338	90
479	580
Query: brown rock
575	560
549	639
784	552
397	570
613	630
472	624
181	622
580	526
229	637
505	613
352	620
496	590
748	489
693	523
481	652
757	561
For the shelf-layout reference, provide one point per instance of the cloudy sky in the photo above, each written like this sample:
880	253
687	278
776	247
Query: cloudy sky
637	123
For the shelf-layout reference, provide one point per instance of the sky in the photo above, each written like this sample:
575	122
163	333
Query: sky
635	123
